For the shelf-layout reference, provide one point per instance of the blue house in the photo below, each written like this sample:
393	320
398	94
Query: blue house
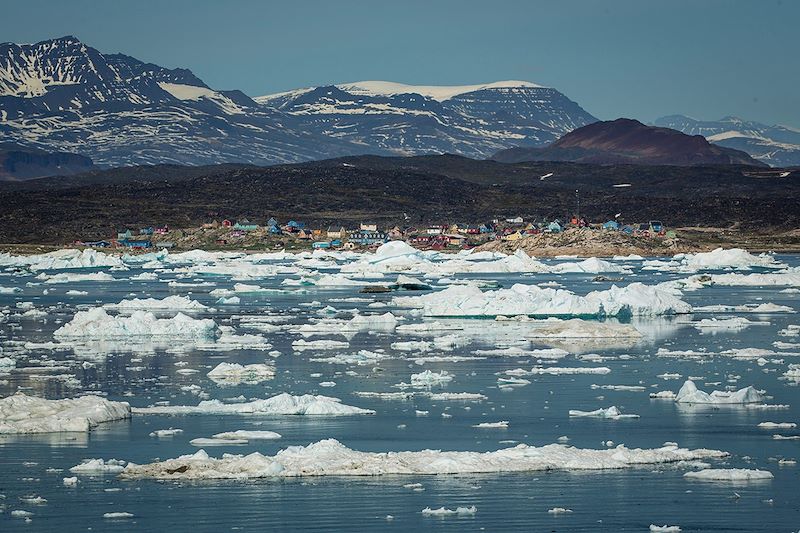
555	227
321	245
612	225
136	243
123	235
146	231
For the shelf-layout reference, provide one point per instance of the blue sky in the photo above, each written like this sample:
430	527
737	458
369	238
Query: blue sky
633	58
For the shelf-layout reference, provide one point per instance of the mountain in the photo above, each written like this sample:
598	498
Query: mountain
61	94
626	141
19	163
775	145
470	120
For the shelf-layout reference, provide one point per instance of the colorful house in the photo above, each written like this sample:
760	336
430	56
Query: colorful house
611	225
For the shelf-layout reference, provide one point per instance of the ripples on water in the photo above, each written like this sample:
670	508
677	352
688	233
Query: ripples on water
601	501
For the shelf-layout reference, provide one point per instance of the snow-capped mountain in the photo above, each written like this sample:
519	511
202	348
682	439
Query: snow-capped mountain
62	95
471	120
774	145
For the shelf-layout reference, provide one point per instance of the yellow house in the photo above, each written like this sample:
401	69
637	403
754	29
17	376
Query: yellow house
513	236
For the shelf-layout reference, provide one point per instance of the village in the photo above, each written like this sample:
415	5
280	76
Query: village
245	234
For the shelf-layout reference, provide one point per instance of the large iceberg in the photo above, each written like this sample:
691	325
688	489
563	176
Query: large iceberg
97	323
332	458
635	299
66	259
21	413
282	404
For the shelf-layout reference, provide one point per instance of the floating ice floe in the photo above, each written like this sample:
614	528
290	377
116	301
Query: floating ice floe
331	458
248	435
503	424
777	425
21	413
443	511
234	373
635	299
281	404
324	344
664	529
689	393
729	474
66	259
165	433
735	323
612	413
765	308
170	303
98	324
69	277
718	259
93	467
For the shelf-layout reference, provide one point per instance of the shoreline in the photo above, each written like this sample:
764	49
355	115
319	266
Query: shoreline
577	242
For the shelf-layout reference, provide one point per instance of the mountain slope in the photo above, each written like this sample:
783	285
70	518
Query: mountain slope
774	145
64	95
626	141
471	120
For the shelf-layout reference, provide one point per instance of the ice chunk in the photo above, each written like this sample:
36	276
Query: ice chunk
442	511
689	393
91	467
612	413
234	373
729	474
97	323
28	414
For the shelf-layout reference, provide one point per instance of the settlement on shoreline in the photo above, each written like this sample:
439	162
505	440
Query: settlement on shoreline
578	242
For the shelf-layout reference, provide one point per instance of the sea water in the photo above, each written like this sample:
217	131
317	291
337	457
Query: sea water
623	500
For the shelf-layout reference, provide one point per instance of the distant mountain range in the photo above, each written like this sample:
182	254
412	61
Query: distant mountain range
775	145
61	95
471	120
626	141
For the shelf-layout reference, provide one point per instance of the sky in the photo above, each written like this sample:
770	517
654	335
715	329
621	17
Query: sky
634	58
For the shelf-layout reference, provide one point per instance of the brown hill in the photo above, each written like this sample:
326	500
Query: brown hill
626	141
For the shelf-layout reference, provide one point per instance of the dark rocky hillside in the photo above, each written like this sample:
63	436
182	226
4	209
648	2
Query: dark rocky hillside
395	190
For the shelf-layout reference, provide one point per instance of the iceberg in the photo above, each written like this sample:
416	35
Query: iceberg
331	458
234	373
635	299
689	393
21	413
612	413
170	303
281	404
98	324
